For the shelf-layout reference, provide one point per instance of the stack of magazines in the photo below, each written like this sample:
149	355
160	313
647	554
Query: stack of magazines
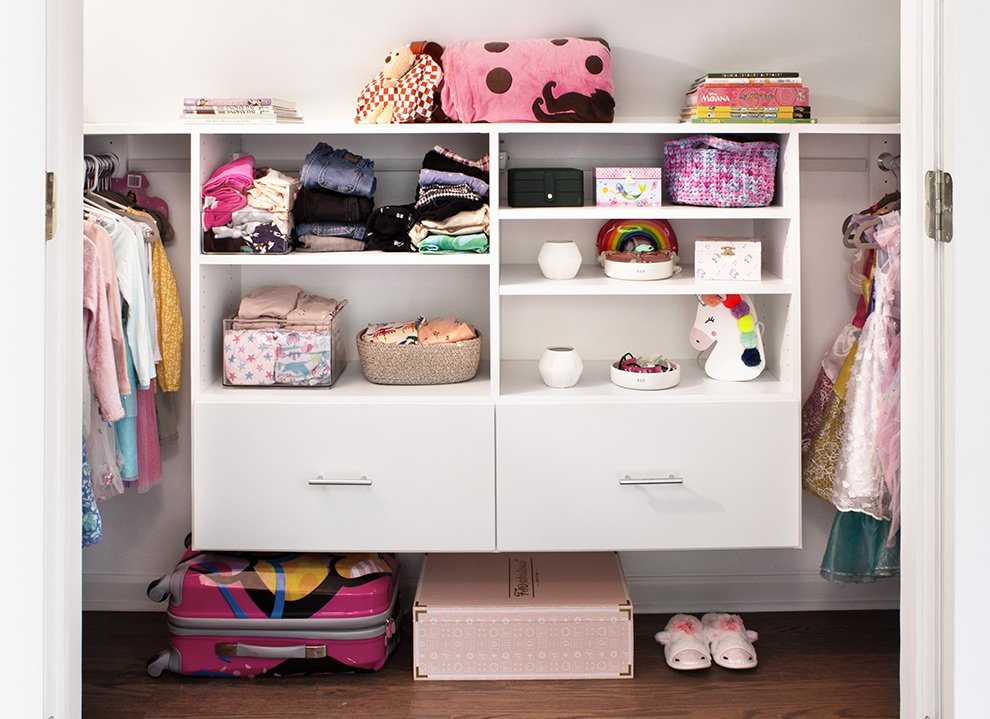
250	110
765	97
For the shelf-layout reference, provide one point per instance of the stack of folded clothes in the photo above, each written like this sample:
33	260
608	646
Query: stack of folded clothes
282	335
248	210
336	200
451	208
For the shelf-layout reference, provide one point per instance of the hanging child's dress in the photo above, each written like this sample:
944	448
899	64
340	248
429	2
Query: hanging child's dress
823	414
858	484
864	544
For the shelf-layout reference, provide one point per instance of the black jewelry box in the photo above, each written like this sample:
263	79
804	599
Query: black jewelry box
546	187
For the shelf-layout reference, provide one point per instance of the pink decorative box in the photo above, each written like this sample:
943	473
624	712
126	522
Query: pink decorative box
522	616
727	258
625	186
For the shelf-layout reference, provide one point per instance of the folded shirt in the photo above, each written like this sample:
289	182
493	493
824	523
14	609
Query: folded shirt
226	190
443	330
449	244
388	229
438	177
394	333
468	222
275	301
481	164
276	193
434	160
439	201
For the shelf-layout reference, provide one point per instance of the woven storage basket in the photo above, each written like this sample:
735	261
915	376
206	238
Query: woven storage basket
714	172
419	364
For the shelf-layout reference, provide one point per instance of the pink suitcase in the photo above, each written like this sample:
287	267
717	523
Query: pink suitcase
278	614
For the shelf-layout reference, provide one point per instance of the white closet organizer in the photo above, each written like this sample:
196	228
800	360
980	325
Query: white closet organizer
503	462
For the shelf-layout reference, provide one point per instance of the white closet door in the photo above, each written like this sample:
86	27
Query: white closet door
967	348
43	396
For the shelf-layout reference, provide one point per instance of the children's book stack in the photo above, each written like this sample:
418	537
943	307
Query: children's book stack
740	97
250	110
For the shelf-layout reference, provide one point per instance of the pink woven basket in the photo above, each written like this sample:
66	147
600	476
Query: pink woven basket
714	172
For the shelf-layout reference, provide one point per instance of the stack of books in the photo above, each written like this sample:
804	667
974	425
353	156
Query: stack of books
250	110
729	97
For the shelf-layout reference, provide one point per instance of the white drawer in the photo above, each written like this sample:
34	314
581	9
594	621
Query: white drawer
648	476
409	477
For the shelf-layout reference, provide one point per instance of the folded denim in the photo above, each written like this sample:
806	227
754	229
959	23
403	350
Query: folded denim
315	243
321	205
338	170
434	177
353	230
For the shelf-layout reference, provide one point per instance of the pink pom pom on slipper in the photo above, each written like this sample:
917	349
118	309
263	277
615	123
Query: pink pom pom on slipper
685	645
731	643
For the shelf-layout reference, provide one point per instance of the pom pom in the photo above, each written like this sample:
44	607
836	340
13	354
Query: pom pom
710	300
748	340
751	357
732	300
746	324
740	310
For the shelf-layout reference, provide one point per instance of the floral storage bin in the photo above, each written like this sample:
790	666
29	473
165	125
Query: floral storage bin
710	171
281	355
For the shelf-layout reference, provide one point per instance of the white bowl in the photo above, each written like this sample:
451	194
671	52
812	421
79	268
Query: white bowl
655	266
646	380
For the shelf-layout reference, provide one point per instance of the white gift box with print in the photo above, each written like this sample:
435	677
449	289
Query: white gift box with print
727	258
628	186
523	616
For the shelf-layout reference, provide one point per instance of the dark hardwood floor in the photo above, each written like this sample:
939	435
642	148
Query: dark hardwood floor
811	664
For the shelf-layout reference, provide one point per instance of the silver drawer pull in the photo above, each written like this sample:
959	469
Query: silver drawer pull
364	481
669	479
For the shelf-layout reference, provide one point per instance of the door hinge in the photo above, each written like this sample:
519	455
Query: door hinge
938	205
49	206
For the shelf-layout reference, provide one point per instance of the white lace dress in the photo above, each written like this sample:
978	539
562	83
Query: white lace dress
859	483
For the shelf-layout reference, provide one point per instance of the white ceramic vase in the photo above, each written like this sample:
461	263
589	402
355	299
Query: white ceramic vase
561	367
559	259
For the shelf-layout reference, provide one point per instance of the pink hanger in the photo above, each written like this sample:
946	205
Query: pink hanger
132	185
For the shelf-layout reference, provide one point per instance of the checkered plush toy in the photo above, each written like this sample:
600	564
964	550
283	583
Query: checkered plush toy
404	91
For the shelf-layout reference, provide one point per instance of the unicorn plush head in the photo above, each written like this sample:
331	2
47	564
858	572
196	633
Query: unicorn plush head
730	323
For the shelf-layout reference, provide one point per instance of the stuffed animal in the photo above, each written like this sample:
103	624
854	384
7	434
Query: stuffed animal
404	91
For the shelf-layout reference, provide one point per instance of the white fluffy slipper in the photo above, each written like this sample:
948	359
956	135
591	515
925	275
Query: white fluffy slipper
685	645
731	643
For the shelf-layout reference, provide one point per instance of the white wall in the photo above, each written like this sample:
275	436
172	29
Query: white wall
141	60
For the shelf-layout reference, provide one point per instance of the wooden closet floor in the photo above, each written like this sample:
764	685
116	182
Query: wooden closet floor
811	664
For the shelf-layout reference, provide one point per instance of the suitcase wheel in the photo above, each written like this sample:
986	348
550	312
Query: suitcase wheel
158	589
157	665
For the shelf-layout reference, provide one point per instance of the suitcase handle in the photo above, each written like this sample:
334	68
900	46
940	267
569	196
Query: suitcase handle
297	651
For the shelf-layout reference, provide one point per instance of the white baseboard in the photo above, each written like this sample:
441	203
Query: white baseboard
650	594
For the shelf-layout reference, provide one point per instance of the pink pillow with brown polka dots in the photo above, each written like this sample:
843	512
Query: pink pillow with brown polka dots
552	80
